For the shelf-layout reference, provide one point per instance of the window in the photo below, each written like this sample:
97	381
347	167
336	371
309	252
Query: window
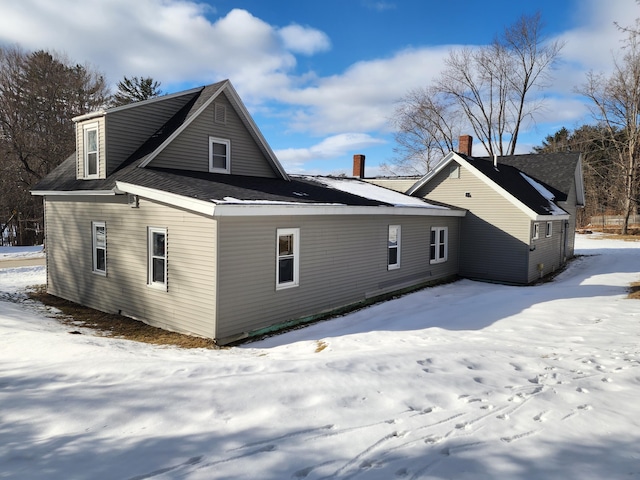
219	155
91	157
438	251
549	228
393	246
99	243
287	258
454	171
158	257
536	231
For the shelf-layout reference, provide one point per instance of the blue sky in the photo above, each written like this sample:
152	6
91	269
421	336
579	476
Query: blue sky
320	78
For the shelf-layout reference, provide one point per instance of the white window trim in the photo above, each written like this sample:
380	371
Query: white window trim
394	266
150	257
437	258
226	142
296	257
536	231
549	231
94	249
85	129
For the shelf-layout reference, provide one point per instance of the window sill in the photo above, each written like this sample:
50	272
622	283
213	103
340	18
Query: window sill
285	286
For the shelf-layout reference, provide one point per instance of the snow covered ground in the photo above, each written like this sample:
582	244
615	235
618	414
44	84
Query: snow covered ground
462	381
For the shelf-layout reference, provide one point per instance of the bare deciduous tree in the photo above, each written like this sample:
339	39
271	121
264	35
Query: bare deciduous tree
485	91
615	104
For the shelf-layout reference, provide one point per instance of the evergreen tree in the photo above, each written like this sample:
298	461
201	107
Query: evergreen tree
135	89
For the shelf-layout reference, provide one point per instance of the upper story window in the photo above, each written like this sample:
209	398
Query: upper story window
438	251
393	246
536	231
549	229
99	242
219	155
91	153
288	258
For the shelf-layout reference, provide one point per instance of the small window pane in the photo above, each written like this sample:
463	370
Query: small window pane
158	244
101	263
92	163
285	245
285	273
393	237
219	149
100	236
432	252
393	256
158	270
92	140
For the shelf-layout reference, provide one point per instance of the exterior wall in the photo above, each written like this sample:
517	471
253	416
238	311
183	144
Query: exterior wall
570	207
546	253
190	150
398	184
102	151
191	261
495	233
129	128
343	260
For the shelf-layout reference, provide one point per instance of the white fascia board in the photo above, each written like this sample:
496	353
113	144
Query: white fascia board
182	127
420	183
550	218
254	127
89	116
193	204
62	193
239	210
259	210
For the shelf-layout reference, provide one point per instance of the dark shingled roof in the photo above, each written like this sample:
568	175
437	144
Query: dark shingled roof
557	170
510	179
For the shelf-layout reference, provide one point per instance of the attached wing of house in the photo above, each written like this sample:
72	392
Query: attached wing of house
176	211
521	219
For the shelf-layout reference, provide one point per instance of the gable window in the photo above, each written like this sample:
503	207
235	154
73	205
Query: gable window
287	258
438	250
99	247
536	231
454	171
549	229
393	247
90	148
219	155
157	250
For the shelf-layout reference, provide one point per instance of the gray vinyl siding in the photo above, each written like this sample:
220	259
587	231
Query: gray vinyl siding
101	147
343	260
546	252
129	128
189	303
190	149
495	233
398	184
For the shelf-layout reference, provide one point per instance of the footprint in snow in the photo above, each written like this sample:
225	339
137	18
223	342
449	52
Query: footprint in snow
582	390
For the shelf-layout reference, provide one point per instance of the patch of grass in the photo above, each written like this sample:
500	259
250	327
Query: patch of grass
634	291
117	326
321	345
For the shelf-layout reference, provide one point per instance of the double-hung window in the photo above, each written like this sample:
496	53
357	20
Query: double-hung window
91	154
438	251
536	231
219	155
549	229
393	247
99	247
157	257
287	258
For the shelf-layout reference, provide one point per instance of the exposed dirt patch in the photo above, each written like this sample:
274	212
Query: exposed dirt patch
117	326
634	291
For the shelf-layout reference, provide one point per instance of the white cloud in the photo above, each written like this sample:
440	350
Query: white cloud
304	40
331	147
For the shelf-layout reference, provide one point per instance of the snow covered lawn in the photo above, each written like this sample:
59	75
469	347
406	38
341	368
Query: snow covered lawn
462	381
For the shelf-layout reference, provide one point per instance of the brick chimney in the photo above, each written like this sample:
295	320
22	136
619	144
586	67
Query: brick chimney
465	145
358	166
